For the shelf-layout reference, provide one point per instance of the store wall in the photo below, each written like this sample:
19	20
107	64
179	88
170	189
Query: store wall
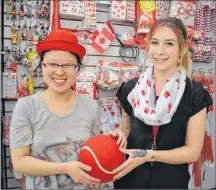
111	54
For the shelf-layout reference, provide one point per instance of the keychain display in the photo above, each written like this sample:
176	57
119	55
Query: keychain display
8	8
110	114
42	10
28	9
14	34
7	60
19	33
21	10
13	12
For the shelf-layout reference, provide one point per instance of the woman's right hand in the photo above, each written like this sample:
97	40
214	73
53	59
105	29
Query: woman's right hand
78	172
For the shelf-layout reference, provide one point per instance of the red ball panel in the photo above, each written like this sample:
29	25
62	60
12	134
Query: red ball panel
108	154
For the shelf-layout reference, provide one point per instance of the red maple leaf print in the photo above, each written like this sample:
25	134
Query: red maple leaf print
138	102
132	100
178	88
143	92
169	107
109	107
134	105
159	121
166	94
153	112
122	7
113	113
138	83
167	81
177	80
147	101
117	125
146	110
116	101
149	83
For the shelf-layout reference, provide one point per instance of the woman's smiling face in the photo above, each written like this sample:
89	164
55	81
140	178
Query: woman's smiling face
164	49
60	70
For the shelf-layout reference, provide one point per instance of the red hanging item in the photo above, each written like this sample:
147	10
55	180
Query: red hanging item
55	19
145	15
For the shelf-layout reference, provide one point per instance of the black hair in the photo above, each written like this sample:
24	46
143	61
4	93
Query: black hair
175	21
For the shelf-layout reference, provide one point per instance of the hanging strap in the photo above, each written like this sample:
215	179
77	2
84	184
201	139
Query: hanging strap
155	131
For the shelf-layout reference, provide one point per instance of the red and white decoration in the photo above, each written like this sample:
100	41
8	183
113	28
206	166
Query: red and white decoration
102	40
83	36
185	10
118	10
71	9
142	97
86	85
131	5
90	21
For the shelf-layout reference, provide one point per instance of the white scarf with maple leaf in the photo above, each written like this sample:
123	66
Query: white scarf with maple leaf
142	97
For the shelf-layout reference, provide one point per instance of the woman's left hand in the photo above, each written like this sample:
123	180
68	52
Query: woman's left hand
122	140
136	158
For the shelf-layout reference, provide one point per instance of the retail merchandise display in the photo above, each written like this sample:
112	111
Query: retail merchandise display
113	33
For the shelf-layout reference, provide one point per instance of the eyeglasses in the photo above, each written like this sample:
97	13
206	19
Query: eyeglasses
65	67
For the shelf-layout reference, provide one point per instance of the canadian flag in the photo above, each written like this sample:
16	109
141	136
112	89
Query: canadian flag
102	40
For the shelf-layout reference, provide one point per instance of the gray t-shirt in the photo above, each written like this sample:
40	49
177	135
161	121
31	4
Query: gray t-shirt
52	137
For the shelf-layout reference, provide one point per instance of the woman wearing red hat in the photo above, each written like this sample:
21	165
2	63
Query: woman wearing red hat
48	128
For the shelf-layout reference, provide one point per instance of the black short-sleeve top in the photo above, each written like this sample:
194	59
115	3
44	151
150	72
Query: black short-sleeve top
170	136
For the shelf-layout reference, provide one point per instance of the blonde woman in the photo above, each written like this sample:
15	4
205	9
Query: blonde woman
164	115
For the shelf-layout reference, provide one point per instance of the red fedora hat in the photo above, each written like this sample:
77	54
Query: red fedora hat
61	40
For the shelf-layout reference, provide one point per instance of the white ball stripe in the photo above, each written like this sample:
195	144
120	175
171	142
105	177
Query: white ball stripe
96	160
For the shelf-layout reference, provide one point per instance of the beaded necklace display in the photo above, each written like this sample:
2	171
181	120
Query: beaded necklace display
205	23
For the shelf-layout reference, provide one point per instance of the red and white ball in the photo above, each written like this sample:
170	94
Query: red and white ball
103	155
